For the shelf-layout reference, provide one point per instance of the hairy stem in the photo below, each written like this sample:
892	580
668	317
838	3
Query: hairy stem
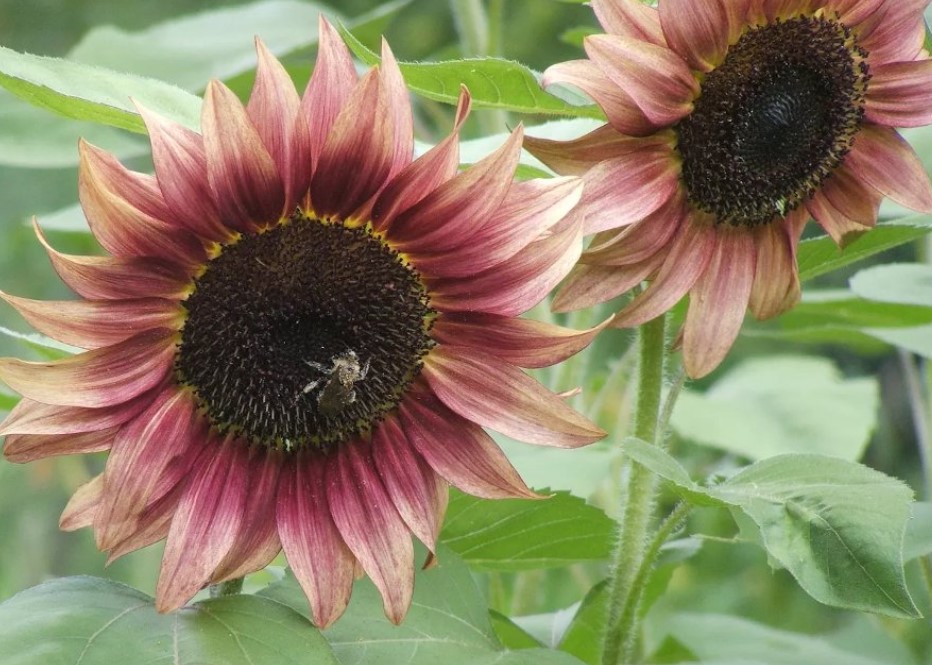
638	507
228	588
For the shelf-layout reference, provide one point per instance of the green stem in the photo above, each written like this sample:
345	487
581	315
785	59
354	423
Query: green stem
919	407
228	588
639	503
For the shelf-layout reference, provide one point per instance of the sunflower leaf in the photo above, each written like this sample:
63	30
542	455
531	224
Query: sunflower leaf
818	256
494	83
516	534
99	622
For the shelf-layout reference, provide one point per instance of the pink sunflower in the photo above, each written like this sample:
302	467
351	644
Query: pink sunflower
298	336
731	122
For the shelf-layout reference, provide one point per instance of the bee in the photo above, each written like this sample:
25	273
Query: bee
338	382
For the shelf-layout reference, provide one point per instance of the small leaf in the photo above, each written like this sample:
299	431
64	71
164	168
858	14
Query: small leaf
783	404
98	622
92	93
821	255
493	83
511	634
836	526
716	638
660	462
517	534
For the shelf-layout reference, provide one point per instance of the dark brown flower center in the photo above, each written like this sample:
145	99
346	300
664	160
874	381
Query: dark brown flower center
304	335
774	119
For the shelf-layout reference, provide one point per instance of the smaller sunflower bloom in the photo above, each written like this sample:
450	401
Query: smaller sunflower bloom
298	336
730	124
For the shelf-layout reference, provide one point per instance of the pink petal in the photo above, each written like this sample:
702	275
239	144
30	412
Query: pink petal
316	552
522	342
257	542
628	188
459	450
513	287
328	90
154	524
274	108
22	448
246	183
630	18
371	527
141	451
881	158
422	176
895	31
590	285
621	110
113	278
529	209
839	226
685	262
495	394
577	156
399	106
851	197
119	223
718	301
91	324
29	417
204	528
82	506
418	493
776	281
356	160
181	168
450	215
98	378
700	32
900	94
658	80
643	240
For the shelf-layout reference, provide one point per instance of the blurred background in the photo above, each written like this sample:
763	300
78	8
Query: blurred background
38	176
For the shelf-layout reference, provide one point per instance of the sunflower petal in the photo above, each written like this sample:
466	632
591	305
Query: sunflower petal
776	281
643	240
82	506
22	448
701	32
630	18
881	158
589	285
30	417
577	156
900	94
399	106
497	395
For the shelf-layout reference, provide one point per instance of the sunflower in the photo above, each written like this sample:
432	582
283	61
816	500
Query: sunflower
730	123
298	336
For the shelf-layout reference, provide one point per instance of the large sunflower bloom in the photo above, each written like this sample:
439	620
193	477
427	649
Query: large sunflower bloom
298	336
731	122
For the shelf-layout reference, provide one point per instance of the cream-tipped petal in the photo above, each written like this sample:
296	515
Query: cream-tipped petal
204	526
142	449
450	215
30	417
356	160
459	450
370	526
513	287
528	211
243	176
316	553
22	448
399	107
181	169
91	324
577	156
630	18
82	506
776	280
658	80
900	94
685	263
121	222
98	378
522	342
885	161
328	90
274	108
495	394
114	278
718	301
419	494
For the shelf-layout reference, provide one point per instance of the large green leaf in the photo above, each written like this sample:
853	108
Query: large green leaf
448	623
98	622
818	256
783	404
517	534
726	639
900	283
85	92
493	83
